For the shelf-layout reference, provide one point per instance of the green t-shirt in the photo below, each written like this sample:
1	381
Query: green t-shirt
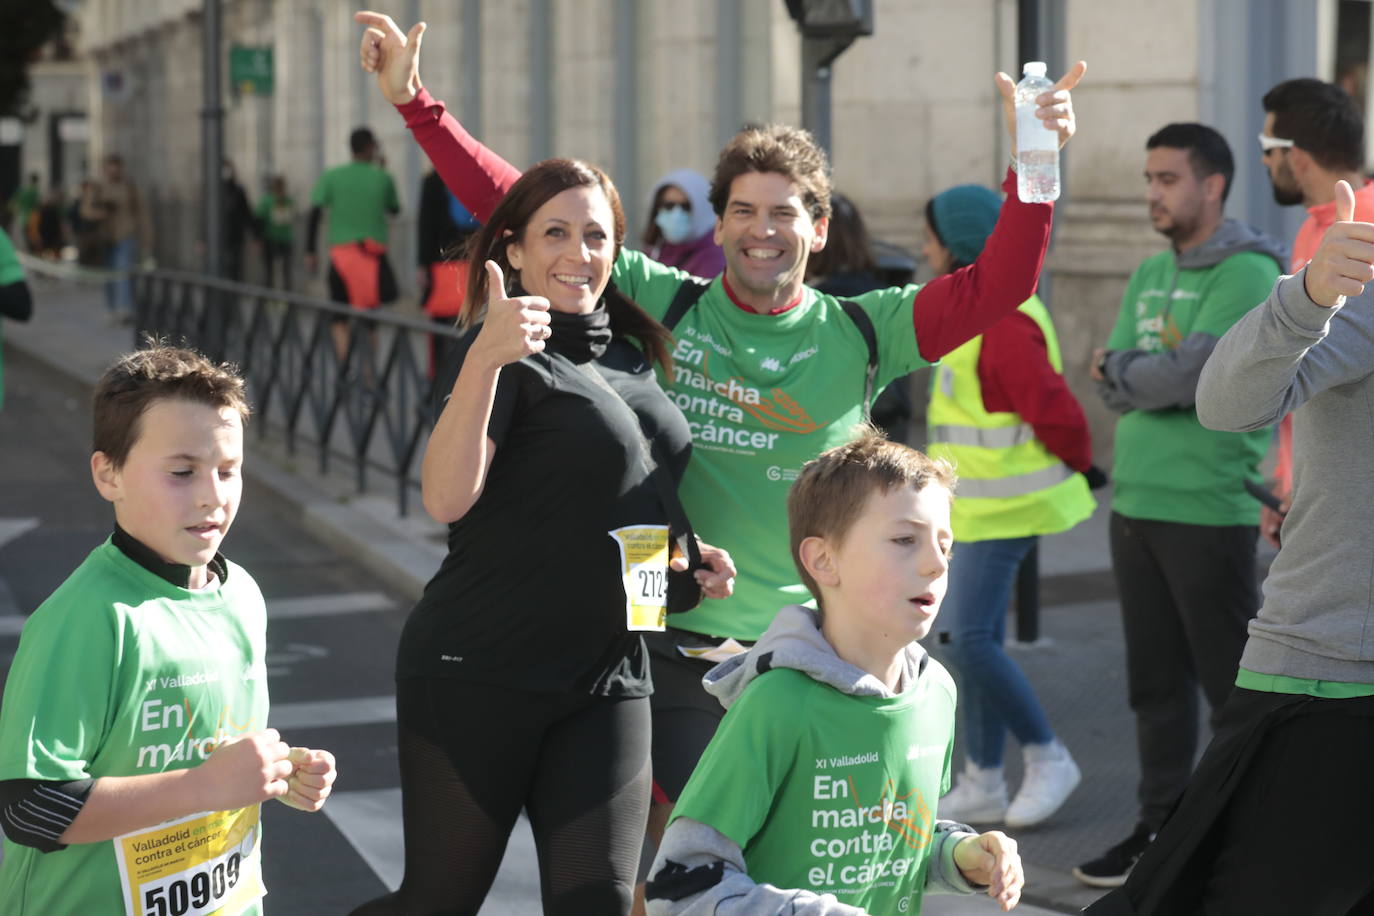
276	214
763	394
24	202
120	673
1168	466
828	792
358	196
10	272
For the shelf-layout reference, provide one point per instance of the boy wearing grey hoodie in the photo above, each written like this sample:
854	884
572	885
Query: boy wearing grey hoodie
818	793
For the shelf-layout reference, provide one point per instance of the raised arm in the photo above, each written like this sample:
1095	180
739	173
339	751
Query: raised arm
959	306
1306	338
477	176
1016	365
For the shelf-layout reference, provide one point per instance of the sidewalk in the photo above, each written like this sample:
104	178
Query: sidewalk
1077	666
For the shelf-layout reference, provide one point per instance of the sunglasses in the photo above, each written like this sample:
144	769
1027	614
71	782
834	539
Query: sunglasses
1267	143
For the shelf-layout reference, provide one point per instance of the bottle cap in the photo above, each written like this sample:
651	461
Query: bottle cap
1034	68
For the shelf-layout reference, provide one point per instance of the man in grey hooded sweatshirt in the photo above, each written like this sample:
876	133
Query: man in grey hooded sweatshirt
1183	528
1276	818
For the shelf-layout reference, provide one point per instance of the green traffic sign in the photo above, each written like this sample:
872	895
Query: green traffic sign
250	69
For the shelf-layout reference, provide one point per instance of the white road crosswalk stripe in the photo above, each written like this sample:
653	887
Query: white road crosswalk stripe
326	605
11	528
11	621
371	822
330	713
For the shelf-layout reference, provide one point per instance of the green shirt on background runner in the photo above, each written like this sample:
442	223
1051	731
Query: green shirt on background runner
358	196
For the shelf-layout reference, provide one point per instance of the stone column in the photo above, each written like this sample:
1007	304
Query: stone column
1143	74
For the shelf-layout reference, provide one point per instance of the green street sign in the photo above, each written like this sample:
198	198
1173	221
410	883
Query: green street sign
250	69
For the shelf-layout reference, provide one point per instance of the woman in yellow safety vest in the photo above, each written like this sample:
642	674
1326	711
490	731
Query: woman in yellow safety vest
1001	412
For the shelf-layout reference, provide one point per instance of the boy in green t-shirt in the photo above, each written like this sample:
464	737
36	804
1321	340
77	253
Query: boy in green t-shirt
134	750
819	789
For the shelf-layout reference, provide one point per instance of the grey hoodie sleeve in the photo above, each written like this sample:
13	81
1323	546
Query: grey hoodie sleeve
699	871
943	876
1283	353
1137	380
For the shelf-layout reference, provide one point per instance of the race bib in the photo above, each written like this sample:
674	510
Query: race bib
202	864
644	567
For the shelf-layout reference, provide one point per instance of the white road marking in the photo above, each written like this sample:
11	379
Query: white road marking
11	528
371	822
327	605
329	713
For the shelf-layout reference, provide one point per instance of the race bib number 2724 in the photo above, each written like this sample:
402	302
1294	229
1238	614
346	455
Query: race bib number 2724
196	866
644	570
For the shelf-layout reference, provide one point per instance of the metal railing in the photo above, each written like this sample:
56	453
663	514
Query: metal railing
371	407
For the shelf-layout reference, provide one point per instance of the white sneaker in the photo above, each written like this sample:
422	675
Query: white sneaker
979	796
1051	775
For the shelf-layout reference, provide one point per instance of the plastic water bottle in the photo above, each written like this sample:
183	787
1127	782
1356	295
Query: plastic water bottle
1037	147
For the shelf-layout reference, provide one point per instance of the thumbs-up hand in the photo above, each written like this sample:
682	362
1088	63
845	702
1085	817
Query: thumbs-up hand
391	54
514	327
1345	261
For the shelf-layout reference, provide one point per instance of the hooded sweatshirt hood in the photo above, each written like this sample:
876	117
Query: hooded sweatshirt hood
794	640
698	191
1232	237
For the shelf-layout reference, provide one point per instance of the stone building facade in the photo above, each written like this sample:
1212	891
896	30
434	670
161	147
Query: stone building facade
644	86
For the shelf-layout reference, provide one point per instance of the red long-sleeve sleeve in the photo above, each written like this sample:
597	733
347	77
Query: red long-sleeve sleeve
478	177
1015	373
959	306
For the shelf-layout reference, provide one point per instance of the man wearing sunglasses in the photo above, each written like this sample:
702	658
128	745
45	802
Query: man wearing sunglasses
1313	137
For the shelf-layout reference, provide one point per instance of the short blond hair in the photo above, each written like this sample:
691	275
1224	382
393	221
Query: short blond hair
832	488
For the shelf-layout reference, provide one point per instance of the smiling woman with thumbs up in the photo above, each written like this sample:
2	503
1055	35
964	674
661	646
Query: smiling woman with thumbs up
522	676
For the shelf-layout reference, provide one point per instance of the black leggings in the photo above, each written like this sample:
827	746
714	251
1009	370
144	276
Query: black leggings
473	755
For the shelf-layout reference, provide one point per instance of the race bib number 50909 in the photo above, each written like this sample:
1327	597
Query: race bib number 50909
196	866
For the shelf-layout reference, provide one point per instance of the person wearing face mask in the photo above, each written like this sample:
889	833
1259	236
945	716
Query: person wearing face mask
681	226
522	676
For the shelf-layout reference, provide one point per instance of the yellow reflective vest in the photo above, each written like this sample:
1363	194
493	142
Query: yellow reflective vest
1010	485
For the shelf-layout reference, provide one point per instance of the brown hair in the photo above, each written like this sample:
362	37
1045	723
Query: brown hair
788	151
832	488
507	224
138	379
846	243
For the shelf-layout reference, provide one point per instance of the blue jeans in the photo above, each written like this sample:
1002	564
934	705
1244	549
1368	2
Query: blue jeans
994	693
119	293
